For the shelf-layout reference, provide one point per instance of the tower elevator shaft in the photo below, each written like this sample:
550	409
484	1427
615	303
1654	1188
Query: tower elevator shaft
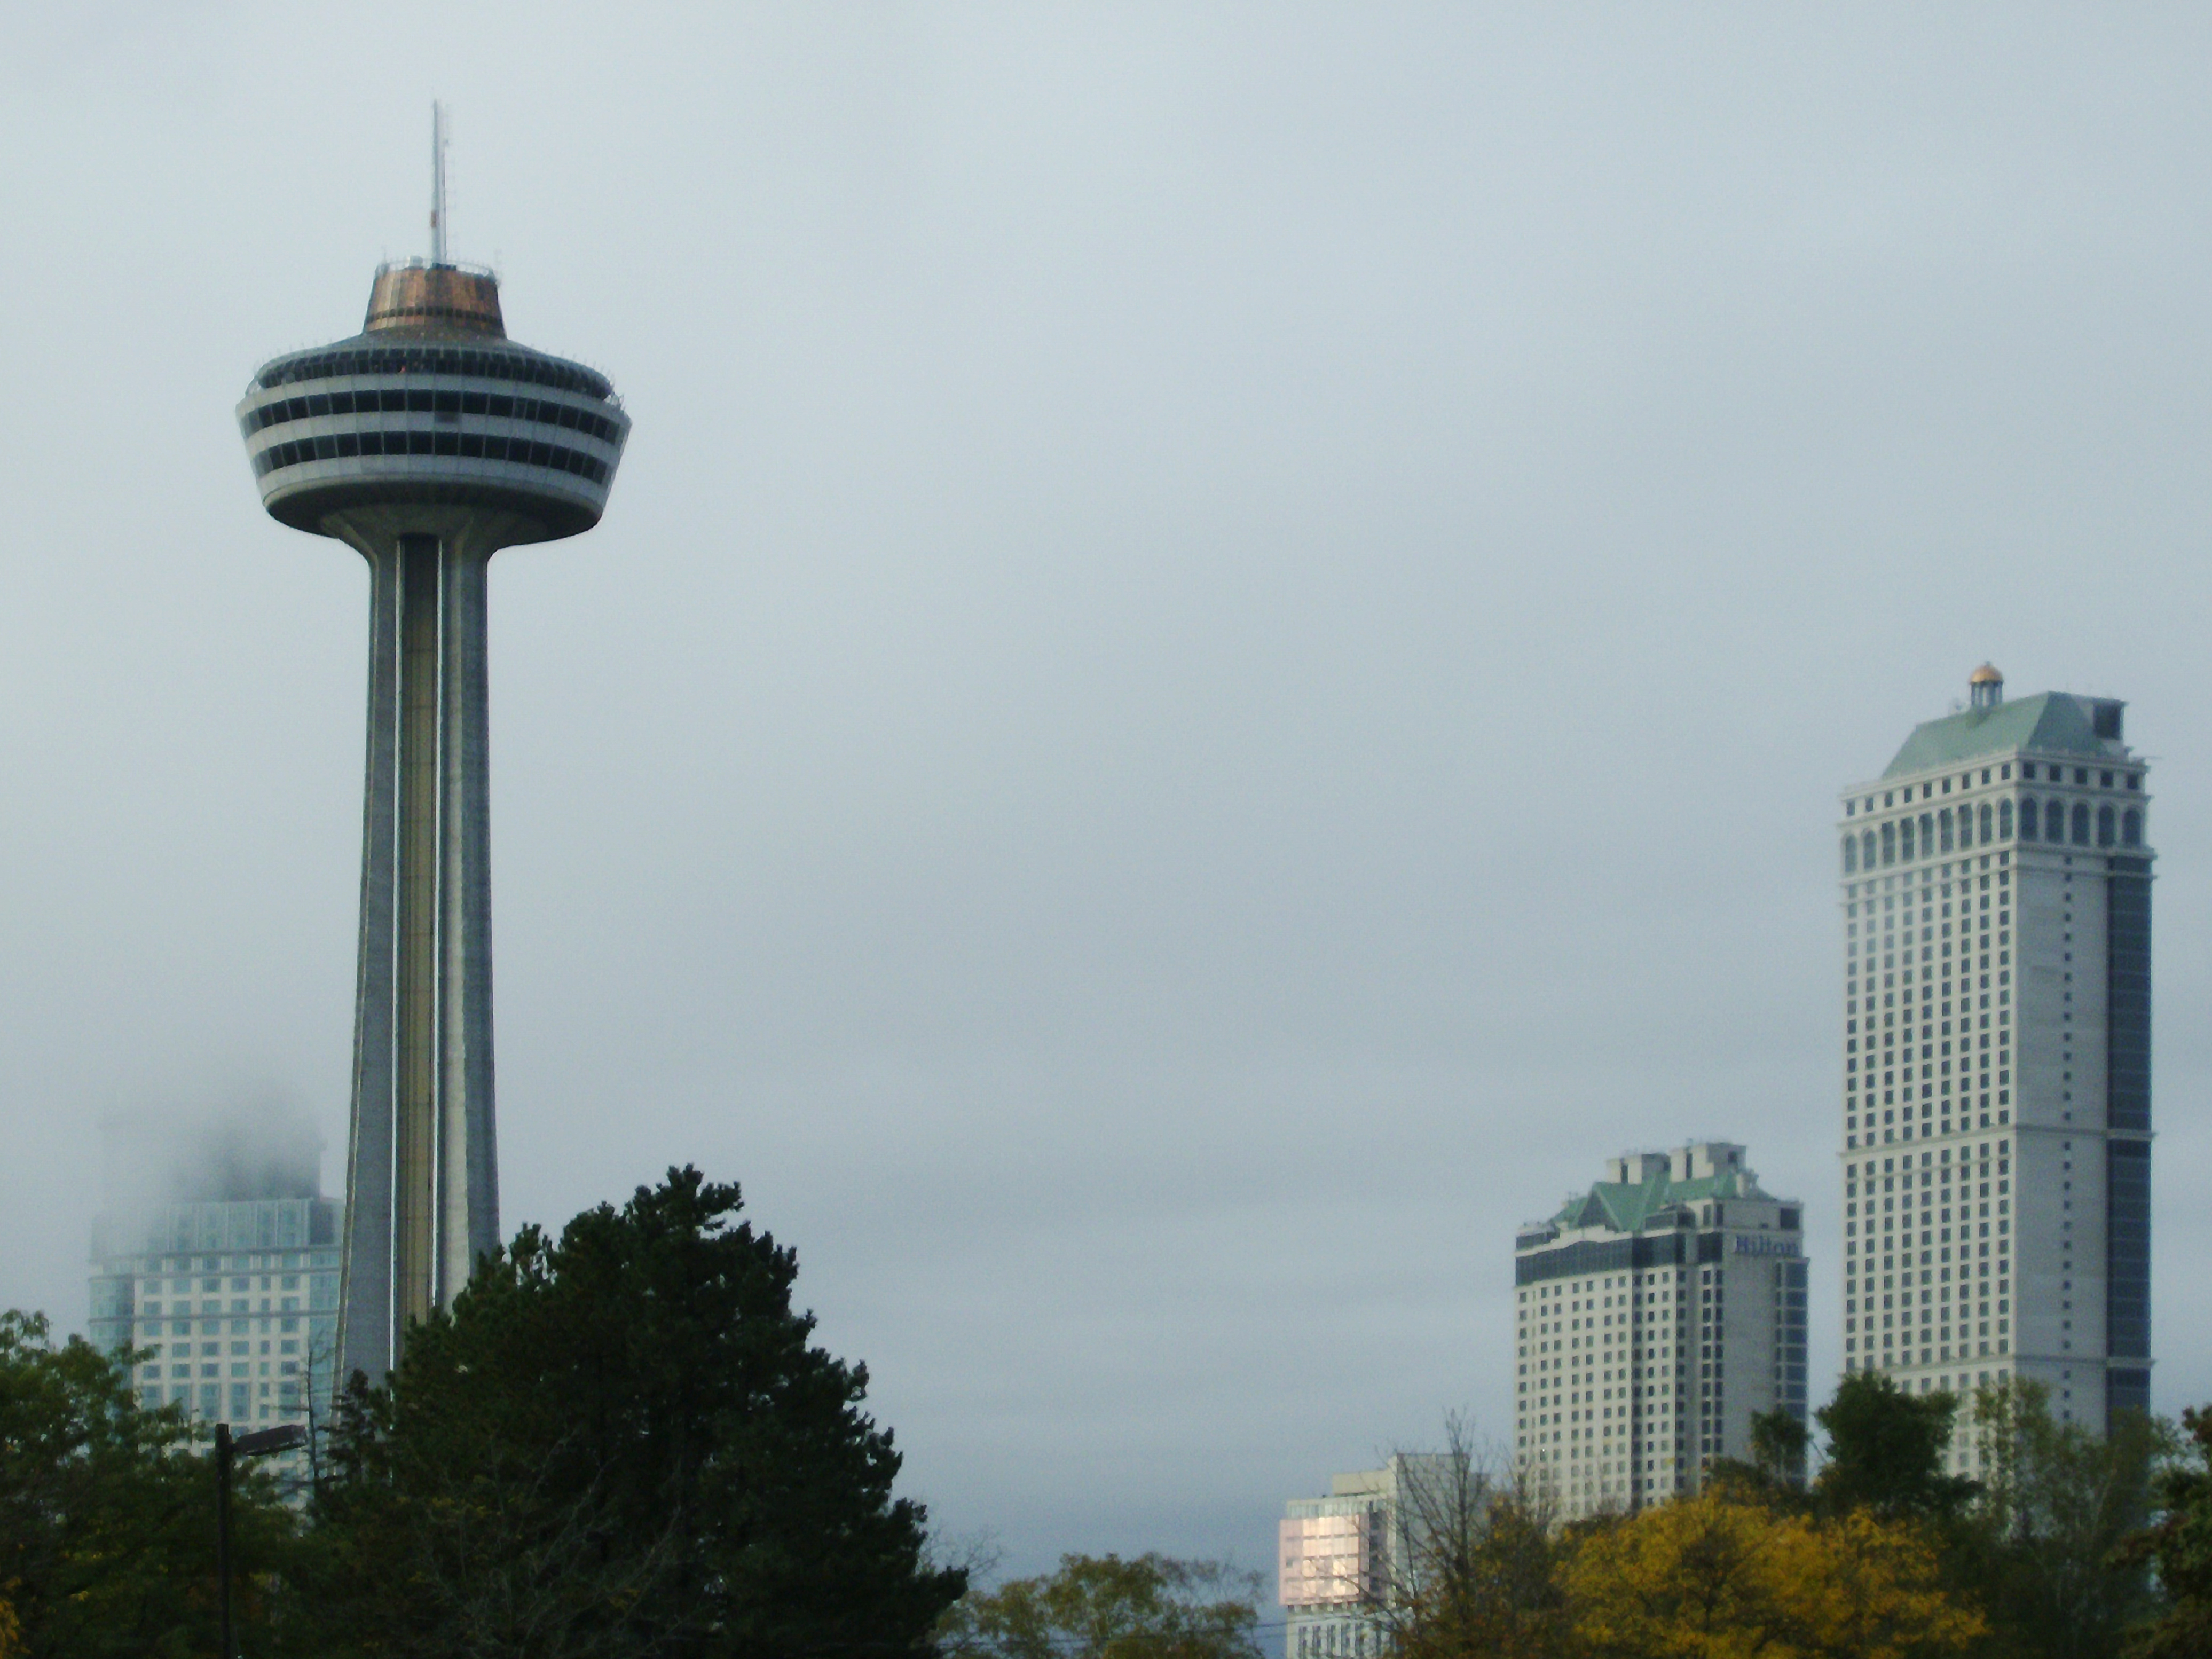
422	1200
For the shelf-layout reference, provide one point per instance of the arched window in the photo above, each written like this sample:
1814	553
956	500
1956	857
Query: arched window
2028	819
1985	816
1866	849
2081	824
2105	826
1851	855
1966	827
1889	843
2131	828
1904	840
2054	820
1943	827
1927	834
2004	820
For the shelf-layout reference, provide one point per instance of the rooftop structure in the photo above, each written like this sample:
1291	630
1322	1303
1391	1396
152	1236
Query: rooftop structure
1655	1315
427	442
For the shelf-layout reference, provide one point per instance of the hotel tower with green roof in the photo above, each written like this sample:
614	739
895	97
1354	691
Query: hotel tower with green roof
1655	1315
1997	1057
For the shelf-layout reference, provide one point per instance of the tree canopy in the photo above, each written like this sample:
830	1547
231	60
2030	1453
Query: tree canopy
2042	1546
625	1441
1888	1555
1886	1450
2180	1547
621	1440
1721	1576
1101	1607
1475	1566
107	1512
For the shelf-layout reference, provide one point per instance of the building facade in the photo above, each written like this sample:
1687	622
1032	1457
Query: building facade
1343	1560
235	1304
1655	1315
1997	1057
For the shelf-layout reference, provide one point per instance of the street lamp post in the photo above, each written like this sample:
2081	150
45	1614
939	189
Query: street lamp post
284	1437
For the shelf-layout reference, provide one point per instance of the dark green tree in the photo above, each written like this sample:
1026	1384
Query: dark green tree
620	1443
2057	1502
107	1513
1104	1607
1780	1443
1886	1451
2178	1545
1775	1472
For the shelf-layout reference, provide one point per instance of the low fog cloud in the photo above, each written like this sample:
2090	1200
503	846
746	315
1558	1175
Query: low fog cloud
256	1146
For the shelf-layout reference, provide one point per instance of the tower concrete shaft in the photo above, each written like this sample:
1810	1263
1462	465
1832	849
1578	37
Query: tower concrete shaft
424	1193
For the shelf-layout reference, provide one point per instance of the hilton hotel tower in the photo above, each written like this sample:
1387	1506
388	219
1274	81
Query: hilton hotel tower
1997	1057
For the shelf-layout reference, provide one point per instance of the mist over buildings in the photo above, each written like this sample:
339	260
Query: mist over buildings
227	1152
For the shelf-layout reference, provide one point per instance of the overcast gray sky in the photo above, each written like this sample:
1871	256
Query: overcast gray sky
1224	655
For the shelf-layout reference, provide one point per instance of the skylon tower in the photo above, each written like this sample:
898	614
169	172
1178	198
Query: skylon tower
427	442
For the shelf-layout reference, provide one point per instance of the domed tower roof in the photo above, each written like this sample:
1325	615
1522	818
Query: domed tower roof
1984	687
420	297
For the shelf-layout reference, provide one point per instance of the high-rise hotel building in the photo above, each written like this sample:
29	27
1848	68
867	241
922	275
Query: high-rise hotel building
216	1258
1997	1057
255	1282
1654	1317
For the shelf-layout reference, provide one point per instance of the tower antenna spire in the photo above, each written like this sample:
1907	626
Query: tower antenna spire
437	184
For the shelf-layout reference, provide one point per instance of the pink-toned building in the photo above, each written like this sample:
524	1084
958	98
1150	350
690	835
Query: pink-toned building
1340	1558
1330	1559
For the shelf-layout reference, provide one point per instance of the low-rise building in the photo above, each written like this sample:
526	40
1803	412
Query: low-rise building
1344	1559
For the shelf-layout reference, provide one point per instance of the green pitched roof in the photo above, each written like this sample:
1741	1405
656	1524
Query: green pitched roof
2049	722
1629	1206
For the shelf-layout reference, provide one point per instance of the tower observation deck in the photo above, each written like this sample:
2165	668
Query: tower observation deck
427	442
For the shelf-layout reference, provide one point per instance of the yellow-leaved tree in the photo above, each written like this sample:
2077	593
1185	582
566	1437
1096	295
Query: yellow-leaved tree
1716	1577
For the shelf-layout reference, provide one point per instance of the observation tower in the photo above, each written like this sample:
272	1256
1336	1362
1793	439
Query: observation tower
427	442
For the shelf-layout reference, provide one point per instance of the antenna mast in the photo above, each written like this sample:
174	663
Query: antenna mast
437	184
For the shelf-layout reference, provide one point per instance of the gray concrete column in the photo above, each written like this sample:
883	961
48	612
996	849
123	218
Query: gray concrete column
468	1184
365	1339
415	1215
422	1185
